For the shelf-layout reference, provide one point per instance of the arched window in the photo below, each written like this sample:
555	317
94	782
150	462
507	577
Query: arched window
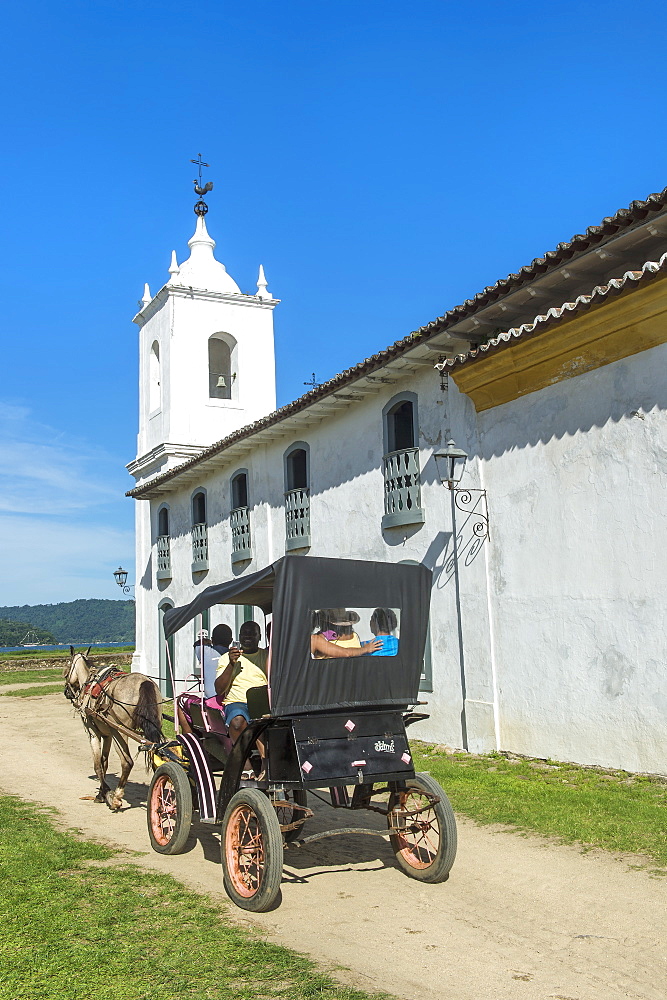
239	518
240	490
221	366
402	479
163	521
296	469
154	379
297	496
199	508
400	426
199	532
166	666
163	544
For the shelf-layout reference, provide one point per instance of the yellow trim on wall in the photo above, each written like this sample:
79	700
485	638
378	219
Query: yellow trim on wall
625	325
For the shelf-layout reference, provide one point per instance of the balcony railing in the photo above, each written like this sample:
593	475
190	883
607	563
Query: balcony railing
163	558
239	520
402	489
297	519
199	547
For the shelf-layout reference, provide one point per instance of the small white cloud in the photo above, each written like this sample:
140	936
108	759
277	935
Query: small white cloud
44	561
64	523
45	473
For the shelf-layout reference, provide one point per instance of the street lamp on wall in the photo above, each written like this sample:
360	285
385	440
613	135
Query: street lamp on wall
120	576
450	463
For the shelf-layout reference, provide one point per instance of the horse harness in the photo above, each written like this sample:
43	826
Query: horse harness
93	696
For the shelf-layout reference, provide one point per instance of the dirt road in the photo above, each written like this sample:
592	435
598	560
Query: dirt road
519	917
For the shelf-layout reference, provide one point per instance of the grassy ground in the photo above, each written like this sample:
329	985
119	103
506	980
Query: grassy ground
73	928
57	654
32	676
614	810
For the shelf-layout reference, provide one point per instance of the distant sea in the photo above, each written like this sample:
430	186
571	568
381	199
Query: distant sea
61	645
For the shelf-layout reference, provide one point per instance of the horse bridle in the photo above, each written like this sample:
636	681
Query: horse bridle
69	691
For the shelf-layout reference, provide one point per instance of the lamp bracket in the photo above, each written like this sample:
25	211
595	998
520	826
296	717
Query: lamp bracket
473	502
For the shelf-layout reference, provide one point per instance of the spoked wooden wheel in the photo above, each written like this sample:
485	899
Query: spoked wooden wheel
252	851
169	814
287	814
423	830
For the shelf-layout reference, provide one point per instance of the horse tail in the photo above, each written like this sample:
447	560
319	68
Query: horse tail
147	715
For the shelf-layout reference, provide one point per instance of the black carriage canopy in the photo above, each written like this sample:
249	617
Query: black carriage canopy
345	633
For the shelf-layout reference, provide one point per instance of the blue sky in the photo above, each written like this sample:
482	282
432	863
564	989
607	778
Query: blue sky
384	161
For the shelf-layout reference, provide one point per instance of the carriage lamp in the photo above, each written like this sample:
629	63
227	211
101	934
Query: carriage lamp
121	579
450	463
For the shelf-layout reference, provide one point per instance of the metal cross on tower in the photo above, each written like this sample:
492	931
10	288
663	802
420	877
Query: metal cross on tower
314	384
201	208
199	163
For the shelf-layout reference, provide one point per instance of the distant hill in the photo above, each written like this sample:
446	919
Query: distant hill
78	622
13	633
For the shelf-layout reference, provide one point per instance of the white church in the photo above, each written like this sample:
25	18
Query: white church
547	629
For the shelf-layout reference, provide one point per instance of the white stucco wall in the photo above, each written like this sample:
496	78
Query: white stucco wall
554	628
575	475
182	325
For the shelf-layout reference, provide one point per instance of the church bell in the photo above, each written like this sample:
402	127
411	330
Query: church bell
221	384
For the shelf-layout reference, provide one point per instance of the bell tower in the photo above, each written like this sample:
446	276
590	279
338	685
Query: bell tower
206	355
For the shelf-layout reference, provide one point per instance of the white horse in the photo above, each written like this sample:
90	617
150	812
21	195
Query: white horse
106	695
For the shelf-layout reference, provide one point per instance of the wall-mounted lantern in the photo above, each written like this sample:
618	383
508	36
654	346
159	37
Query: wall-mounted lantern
120	576
450	463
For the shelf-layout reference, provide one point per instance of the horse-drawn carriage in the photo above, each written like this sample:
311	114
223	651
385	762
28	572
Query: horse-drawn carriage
325	720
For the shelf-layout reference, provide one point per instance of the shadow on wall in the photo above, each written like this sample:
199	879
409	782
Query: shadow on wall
625	390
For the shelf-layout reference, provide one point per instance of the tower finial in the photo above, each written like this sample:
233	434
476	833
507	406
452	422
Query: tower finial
201	208
147	294
262	290
173	268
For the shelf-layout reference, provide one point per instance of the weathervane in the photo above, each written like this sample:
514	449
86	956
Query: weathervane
314	384
201	208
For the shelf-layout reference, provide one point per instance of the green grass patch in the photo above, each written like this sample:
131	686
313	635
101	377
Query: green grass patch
72	930
57	654
32	692
26	676
614	810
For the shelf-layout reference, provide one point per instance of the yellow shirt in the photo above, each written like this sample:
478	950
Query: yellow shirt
250	672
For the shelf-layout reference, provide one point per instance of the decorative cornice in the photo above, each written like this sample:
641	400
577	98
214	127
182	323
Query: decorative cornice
523	360
187	292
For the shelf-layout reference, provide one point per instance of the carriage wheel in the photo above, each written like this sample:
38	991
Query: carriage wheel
425	843
252	851
169	813
287	815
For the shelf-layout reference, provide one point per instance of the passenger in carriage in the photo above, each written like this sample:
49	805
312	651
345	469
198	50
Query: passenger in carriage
207	652
336	636
238	671
383	624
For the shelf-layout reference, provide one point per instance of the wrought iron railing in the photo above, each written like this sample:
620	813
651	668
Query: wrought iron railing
239	520
402	488
163	558
199	546
297	519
